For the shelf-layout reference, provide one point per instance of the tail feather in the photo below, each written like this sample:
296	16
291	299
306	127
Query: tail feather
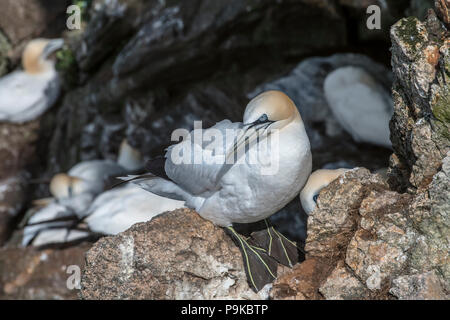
130	178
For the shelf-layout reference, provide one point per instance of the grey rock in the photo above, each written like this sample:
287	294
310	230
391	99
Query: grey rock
425	286
30	274
177	255
342	285
13	196
5	47
420	125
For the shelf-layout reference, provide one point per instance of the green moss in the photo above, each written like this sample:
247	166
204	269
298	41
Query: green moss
67	65
4	48
441	109
442	125
408	32
84	6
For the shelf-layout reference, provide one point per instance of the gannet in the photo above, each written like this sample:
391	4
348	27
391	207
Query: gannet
360	104
318	180
73	193
78	187
213	179
52	224
28	93
116	210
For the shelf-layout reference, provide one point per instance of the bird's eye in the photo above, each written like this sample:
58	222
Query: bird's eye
315	198
263	118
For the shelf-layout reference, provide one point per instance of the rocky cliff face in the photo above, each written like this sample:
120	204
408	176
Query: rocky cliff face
178	255
142	68
366	240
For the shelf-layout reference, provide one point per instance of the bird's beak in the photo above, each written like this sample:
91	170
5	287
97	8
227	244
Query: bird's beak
251	132
52	46
42	202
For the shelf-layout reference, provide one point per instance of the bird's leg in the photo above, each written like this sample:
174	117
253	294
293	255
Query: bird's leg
276	245
259	267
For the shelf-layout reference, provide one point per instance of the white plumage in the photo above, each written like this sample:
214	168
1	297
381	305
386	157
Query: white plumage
27	94
116	210
360	104
318	180
40	232
239	192
74	193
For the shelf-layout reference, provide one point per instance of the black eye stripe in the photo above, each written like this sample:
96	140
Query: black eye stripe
315	198
263	118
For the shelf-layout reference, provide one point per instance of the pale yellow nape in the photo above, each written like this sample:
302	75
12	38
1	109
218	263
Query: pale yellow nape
275	104
32	60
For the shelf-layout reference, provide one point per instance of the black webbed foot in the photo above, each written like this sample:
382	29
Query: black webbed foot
259	267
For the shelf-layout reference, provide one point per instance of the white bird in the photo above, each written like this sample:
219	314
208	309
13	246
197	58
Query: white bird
78	187
318	180
48	226
73	193
116	210
226	190
26	94
360	104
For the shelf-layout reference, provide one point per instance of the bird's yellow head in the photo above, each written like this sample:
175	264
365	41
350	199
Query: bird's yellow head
318	180
36	55
271	107
65	186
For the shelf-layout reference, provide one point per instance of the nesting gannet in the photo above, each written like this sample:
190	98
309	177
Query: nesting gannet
78	187
318	180
360	104
51	224
25	95
212	178
73	193
118	209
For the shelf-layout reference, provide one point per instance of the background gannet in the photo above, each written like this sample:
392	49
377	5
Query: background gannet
28	93
118	209
318	180
360	104
78	187
226	193
52	224
73	193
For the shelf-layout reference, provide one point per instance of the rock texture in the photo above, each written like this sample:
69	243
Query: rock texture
368	239
177	255
421	123
5	47
26	273
17	146
12	201
23	20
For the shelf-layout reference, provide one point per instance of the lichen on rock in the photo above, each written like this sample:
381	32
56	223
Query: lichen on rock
177	255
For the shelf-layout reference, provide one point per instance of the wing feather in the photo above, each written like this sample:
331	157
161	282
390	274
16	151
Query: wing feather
195	163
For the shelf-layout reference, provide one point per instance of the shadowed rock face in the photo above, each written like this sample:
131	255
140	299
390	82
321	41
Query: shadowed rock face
26	273
12	201
149	67
5	46
23	20
177	255
17	146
